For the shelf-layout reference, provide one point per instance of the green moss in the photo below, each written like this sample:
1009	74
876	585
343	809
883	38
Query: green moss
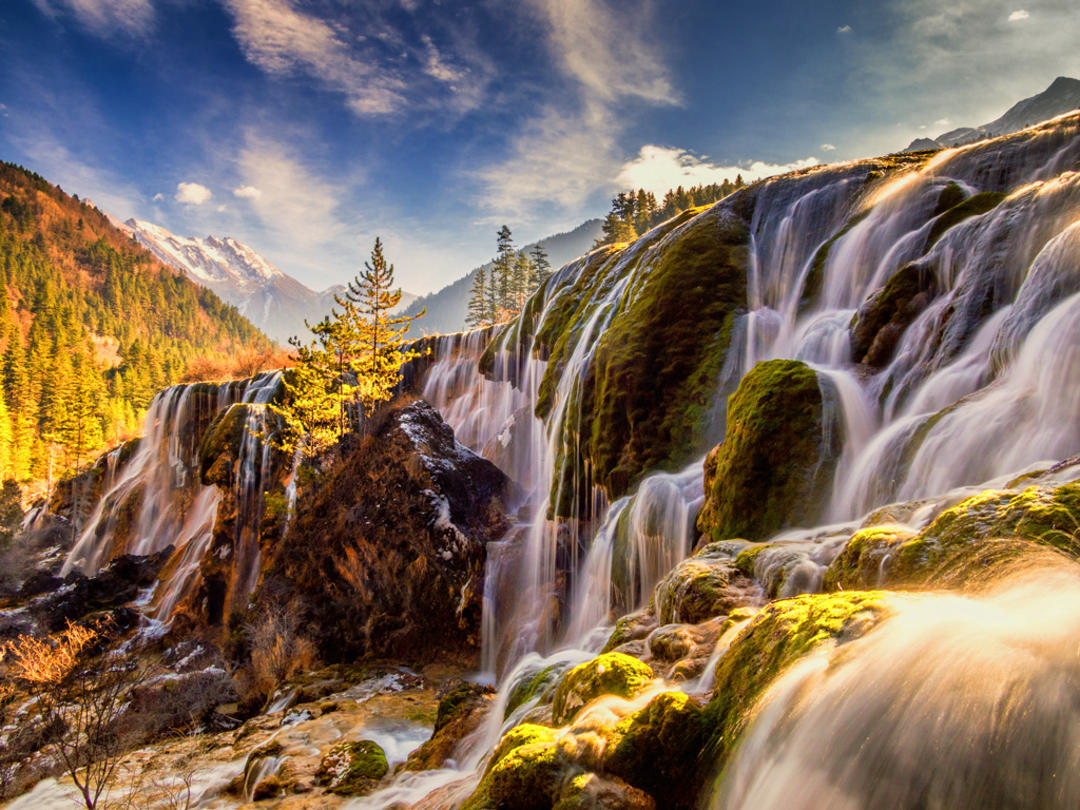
778	636
746	560
220	444
655	368
1046	516
773	469
860	564
701	587
450	703
608	674
631	627
974	205
528	688
527	777
656	748
895	305
525	734
353	767
951	196
814	279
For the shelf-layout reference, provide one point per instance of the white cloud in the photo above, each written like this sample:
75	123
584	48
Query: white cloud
1019	14
192	193
104	17
568	150
942	122
611	54
158	197
659	168
247	192
828	147
294	203
221	209
435	64
844	29
282	41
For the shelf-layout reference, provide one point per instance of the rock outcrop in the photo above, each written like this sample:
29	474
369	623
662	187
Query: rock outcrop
386	552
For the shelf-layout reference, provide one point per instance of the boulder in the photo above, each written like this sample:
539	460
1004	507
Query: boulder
774	468
386	553
608	674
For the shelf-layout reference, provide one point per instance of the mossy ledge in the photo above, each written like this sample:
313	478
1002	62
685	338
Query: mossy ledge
773	469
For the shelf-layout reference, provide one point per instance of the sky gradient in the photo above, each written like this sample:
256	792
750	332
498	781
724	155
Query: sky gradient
306	128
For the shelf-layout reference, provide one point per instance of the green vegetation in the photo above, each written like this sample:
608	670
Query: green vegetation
978	539
772	469
778	636
514	279
634	213
656	748
353	767
700	587
91	327
973	206
608	674
354	359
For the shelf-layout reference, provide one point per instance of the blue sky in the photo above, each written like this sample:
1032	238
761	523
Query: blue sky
306	128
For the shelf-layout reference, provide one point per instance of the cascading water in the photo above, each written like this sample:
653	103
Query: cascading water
159	494
981	383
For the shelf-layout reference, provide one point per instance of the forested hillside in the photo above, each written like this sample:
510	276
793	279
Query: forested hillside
91	326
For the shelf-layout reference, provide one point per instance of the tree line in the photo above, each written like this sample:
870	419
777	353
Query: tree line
499	292
89	332
351	362
635	212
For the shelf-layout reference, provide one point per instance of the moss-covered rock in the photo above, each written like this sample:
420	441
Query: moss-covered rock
527	777
631	627
882	319
525	734
1039	515
541	683
774	468
462	708
352	768
656	748
220	446
778	636
861	563
590	791
703	586
608	674
974	205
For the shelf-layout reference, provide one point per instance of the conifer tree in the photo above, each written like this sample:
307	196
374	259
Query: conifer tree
5	440
541	267
308	411
380	335
478	300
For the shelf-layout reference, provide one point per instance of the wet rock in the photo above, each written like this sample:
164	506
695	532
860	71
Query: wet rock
386	554
704	586
607	674
590	791
774	468
463	706
353	768
631	627
881	320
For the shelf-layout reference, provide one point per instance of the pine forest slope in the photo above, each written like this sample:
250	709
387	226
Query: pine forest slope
91	326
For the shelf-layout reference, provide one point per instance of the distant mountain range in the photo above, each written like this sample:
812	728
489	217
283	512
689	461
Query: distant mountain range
447	308
268	297
1062	96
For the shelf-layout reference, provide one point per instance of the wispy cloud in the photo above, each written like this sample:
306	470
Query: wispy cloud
570	149
844	29
247	192
659	168
54	161
1018	15
192	193
104	17
828	147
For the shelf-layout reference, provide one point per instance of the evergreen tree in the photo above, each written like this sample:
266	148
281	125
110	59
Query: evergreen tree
504	296
523	276
479	315
380	336
541	267
5	440
308	411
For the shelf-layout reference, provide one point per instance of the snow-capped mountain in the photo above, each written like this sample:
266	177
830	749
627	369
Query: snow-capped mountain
268	297
1062	96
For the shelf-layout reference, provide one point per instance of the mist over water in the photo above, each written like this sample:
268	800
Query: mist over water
955	702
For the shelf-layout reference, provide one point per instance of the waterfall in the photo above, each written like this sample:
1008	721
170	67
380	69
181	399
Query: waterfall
158	500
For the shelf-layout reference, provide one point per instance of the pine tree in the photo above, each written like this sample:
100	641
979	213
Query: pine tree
380	335
541	267
308	411
524	273
478	303
5	440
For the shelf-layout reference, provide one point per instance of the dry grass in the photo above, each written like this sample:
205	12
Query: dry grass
278	651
